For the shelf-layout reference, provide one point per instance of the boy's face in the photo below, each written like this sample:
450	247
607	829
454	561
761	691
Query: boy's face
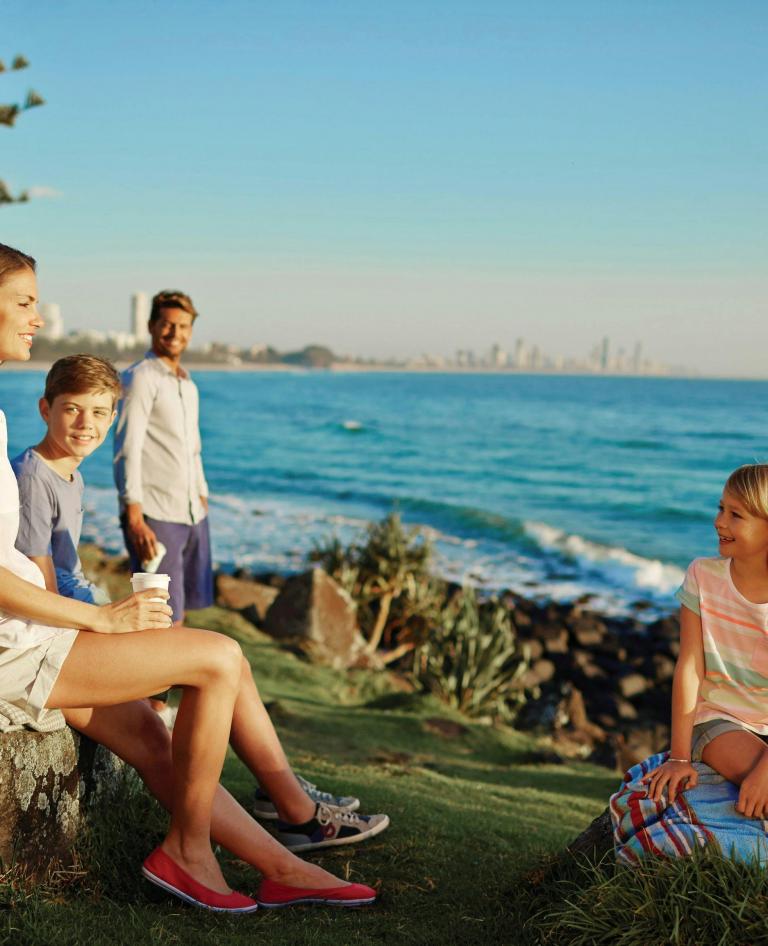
77	423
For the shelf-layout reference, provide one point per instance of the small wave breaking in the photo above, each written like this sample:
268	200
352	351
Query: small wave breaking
620	566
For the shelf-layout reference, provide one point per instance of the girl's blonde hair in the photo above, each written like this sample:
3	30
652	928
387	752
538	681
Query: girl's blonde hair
749	484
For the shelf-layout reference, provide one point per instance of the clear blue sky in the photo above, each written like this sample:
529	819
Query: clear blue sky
403	176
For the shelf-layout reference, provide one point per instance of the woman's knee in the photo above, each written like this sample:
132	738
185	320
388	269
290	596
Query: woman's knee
225	659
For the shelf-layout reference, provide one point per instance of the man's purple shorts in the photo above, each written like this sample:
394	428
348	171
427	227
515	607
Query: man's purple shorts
187	560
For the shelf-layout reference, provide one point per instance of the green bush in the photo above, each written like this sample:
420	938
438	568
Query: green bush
398	600
472	659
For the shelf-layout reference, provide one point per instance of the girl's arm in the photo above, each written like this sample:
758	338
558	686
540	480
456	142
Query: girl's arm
31	603
689	672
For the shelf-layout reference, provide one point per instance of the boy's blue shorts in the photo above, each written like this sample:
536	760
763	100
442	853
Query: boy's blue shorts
187	560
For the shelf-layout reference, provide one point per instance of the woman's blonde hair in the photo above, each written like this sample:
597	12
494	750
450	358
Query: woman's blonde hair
749	484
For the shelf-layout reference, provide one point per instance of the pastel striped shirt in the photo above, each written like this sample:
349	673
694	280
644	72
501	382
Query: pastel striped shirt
735	637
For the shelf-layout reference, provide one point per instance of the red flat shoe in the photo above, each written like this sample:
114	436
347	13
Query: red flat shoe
271	894
159	869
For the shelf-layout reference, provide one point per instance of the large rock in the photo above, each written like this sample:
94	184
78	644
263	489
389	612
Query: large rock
315	613
241	594
47	781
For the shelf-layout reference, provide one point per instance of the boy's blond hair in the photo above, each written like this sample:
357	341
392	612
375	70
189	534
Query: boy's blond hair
749	484
79	374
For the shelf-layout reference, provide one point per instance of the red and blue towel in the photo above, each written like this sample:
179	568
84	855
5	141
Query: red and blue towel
702	816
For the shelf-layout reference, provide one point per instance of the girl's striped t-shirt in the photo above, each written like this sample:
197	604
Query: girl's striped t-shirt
735	638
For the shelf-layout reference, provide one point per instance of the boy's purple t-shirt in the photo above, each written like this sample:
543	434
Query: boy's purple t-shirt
50	521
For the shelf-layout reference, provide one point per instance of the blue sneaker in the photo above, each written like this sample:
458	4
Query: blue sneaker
264	809
329	827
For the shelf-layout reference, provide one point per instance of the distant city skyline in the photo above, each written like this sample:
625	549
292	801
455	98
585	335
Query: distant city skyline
378	176
604	357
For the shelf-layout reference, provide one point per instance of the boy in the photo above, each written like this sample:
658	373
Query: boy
78	408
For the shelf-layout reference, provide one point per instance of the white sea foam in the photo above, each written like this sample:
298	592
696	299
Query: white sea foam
278	534
619	565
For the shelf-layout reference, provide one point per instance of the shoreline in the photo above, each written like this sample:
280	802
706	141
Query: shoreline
597	686
343	367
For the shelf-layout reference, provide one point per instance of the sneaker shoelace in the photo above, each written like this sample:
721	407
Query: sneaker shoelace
317	794
326	815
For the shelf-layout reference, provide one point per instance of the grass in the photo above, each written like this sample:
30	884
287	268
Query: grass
470	821
689	902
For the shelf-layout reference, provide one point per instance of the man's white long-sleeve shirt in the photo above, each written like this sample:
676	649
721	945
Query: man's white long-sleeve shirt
157	452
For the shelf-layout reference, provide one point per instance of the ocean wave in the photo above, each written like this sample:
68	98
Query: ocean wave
619	565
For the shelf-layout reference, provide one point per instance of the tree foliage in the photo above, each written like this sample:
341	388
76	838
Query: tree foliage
8	115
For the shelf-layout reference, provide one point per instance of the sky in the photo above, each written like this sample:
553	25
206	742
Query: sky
402	177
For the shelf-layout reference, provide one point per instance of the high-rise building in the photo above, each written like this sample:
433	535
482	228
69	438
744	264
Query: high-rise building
140	317
605	354
54	325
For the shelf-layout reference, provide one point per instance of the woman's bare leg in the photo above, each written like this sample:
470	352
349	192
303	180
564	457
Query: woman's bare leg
102	670
136	734
255	741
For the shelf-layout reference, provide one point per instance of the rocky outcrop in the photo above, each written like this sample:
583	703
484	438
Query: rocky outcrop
251	598
47	781
600	687
313	612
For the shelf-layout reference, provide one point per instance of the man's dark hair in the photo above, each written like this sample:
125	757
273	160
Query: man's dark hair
171	299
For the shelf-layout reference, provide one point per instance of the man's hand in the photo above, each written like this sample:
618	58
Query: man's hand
138	612
142	538
204	501
753	794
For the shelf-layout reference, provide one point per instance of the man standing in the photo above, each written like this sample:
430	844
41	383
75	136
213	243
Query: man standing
158	465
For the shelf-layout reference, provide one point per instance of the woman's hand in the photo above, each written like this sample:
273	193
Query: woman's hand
676	776
138	612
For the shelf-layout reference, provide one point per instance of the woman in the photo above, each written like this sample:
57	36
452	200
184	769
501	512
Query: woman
97	663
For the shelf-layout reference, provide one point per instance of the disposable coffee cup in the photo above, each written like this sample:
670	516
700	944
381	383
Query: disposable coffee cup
141	581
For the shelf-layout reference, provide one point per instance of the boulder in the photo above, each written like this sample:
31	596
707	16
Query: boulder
47	781
633	684
315	613
241	594
596	841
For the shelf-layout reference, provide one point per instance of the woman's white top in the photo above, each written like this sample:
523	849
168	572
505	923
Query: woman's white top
15	631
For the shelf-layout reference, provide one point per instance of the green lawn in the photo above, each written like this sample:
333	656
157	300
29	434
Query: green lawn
469	820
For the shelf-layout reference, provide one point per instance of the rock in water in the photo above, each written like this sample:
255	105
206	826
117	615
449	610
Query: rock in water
315	613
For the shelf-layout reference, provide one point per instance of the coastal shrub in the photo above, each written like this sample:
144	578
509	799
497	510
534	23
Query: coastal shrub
704	898
472	658
387	574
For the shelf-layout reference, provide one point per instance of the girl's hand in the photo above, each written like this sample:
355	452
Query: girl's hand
137	612
677	776
753	795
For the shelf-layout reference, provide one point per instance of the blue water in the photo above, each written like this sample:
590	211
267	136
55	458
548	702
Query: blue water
551	485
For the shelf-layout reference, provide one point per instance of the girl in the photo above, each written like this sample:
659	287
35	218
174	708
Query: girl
720	687
97	664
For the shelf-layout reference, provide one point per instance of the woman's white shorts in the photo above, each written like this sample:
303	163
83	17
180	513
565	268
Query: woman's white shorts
28	676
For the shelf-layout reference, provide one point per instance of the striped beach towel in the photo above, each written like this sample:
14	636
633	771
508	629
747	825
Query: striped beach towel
704	815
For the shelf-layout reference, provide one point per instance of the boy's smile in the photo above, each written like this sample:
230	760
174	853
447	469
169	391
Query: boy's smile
77	424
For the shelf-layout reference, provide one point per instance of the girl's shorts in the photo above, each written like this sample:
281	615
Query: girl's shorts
704	733
28	676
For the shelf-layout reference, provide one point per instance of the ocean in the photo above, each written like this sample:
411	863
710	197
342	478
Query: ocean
553	486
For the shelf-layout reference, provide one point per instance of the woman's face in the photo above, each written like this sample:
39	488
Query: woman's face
19	319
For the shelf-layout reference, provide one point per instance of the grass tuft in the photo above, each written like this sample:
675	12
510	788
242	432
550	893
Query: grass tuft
705	898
